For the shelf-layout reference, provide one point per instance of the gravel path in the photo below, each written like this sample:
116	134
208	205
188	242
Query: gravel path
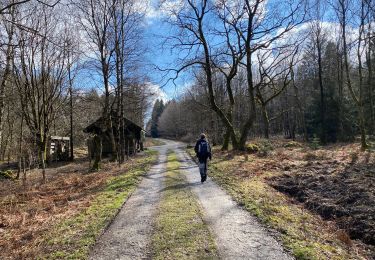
128	237
238	234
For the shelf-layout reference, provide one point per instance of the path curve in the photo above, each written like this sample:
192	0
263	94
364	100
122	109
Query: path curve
238	234
129	235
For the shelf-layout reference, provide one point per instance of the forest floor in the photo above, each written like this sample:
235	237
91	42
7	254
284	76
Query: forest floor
321	199
63	218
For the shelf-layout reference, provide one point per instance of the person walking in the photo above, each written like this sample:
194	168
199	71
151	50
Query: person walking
203	151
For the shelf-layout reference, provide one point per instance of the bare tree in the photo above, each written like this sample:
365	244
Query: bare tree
258	23
9	28
343	10
41	75
96	18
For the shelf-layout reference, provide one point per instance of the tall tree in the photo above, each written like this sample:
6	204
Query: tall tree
96	20
42	76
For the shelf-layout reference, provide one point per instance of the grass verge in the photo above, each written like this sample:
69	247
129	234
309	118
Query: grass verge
305	234
72	238
180	232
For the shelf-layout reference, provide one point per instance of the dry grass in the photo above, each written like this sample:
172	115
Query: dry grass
153	142
245	176
29	212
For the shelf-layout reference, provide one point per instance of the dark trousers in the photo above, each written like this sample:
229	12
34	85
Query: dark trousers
203	167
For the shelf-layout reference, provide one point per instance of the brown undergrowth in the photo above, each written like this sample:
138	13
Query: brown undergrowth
288	184
27	213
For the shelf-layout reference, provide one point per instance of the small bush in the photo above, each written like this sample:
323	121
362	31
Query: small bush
189	138
264	148
252	148
315	143
292	144
353	157
6	175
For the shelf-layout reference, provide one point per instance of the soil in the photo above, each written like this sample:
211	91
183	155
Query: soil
338	185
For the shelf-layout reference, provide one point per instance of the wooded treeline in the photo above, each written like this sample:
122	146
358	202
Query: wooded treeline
302	69
46	49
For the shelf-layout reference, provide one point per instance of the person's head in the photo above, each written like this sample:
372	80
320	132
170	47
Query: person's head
203	136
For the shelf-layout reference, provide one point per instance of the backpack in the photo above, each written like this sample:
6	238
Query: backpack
203	149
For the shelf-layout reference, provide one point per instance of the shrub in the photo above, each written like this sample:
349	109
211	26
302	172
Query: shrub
292	144
189	138
315	143
7	175
264	148
353	157
252	148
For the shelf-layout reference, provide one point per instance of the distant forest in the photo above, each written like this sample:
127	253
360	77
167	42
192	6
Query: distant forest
303	70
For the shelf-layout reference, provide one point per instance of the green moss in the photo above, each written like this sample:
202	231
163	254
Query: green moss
180	232
72	238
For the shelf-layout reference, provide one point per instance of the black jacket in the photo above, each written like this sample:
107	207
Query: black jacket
209	155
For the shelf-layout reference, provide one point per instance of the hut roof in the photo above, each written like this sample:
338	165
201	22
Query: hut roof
99	125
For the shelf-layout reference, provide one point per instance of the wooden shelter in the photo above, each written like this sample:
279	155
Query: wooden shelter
132	133
59	148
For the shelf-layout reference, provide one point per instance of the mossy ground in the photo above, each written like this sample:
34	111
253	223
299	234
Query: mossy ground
305	234
180	232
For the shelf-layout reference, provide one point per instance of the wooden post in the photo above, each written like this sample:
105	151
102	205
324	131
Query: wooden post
128	150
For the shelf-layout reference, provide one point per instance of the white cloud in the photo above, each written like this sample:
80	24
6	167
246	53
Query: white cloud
156	92
158	9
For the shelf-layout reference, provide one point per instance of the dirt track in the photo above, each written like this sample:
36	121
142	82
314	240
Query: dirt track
128	237
238	234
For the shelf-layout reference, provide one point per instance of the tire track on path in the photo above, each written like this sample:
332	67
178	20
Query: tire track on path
239	235
129	235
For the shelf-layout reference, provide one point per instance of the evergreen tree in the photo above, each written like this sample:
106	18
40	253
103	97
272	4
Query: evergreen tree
156	113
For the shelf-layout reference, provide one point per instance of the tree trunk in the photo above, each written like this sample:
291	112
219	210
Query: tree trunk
23	170
71	144
6	73
266	122
323	138
42	154
97	150
370	84
227	136
357	100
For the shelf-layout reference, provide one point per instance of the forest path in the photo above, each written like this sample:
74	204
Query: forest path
129	235
238	234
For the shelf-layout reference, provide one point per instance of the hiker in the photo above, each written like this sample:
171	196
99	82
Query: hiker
203	151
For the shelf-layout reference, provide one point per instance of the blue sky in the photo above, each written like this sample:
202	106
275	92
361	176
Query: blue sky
160	55
157	56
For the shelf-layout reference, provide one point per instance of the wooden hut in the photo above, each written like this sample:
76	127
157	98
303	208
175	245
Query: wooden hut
59	148
132	134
